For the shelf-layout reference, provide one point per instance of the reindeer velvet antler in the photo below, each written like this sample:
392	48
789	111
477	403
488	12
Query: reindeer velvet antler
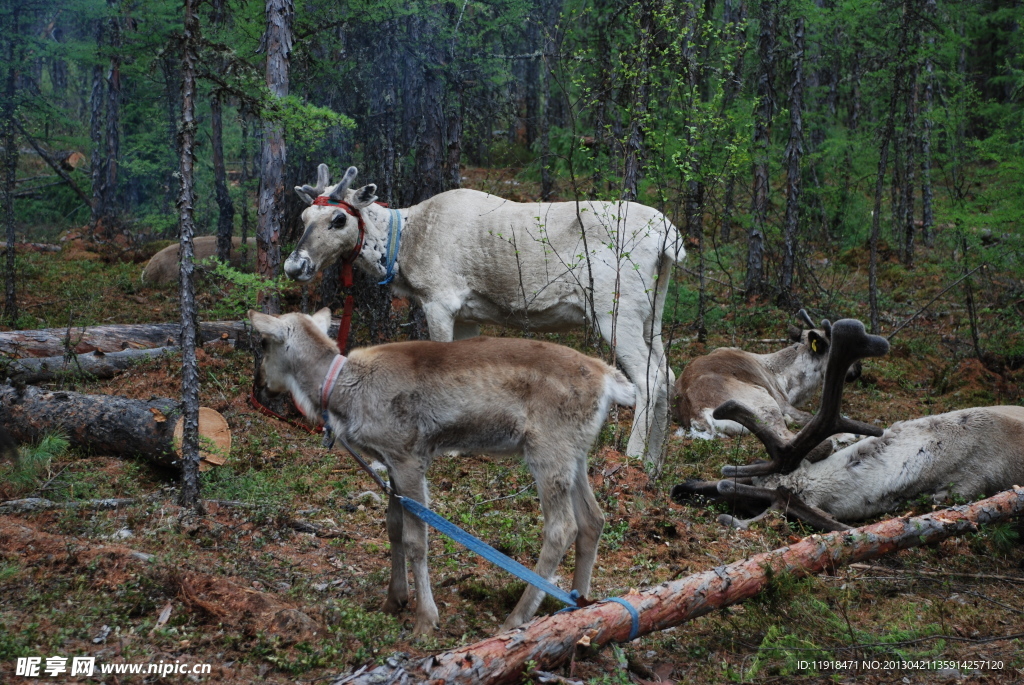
850	343
323	177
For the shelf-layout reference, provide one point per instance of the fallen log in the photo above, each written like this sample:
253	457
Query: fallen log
548	642
110	425
98	365
49	342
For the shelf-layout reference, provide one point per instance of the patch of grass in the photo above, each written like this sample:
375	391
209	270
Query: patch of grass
23	475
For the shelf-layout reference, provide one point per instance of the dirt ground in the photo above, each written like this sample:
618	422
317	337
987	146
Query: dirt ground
247	589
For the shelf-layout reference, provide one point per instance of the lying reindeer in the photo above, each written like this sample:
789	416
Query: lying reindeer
406	403
970	453
770	385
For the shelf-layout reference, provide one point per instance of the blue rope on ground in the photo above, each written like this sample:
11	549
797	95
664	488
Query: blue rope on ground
480	547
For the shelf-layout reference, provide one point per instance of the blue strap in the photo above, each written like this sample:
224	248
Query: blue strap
489	553
394	240
634	631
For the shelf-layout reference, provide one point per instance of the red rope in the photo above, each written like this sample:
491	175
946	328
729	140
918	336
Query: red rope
267	411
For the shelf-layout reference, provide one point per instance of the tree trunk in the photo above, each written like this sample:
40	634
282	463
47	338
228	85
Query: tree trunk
112	146
277	44
793	154
86	366
876	221
550	641
103	424
226	215
754	283
910	161
733	18
927	195
638	114
189	310
97	162
10	161
50	342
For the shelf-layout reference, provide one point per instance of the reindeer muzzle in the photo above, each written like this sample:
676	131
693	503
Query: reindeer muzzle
299	267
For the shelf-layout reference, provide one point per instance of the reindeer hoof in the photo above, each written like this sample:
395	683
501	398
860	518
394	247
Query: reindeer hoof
394	606
423	630
730	521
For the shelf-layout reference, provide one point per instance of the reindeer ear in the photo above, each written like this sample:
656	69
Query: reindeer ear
322	319
365	196
817	342
794	333
269	327
304	194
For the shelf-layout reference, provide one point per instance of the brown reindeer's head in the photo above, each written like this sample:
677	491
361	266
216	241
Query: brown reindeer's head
290	343
330	231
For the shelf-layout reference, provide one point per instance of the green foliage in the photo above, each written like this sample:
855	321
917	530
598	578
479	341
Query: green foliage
33	462
236	292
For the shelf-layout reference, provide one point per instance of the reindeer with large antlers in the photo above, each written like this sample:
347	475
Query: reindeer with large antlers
970	453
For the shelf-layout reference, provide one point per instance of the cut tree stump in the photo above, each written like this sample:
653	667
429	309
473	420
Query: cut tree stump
550	641
109	425
98	365
49	342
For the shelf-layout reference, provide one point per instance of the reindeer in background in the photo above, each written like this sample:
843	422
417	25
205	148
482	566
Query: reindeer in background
969	453
770	385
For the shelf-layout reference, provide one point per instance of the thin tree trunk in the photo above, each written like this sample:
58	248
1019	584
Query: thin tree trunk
190	496
755	283
548	642
733	12
277	44
10	161
633	162
245	178
793	154
113	122
97	162
910	162
226	215
927	194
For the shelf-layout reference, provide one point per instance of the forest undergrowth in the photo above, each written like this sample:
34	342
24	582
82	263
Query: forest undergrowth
245	589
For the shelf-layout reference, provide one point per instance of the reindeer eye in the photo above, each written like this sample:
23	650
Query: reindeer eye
338	221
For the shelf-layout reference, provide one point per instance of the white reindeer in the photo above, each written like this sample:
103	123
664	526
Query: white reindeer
406	403
770	385
969	453
469	258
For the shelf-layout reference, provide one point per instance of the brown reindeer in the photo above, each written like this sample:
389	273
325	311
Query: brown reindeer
407	403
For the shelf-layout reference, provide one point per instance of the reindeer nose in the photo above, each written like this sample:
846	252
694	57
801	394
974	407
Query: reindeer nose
298	267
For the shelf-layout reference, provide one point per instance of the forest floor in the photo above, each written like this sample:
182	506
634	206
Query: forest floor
242	590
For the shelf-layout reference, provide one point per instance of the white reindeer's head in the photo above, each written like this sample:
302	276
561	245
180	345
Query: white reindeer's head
291	342
809	357
331	232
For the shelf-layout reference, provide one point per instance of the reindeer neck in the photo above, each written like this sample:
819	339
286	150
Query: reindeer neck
308	375
778	362
373	256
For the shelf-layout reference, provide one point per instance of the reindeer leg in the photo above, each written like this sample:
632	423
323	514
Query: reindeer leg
589	523
409	479
398	588
555	488
783	500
